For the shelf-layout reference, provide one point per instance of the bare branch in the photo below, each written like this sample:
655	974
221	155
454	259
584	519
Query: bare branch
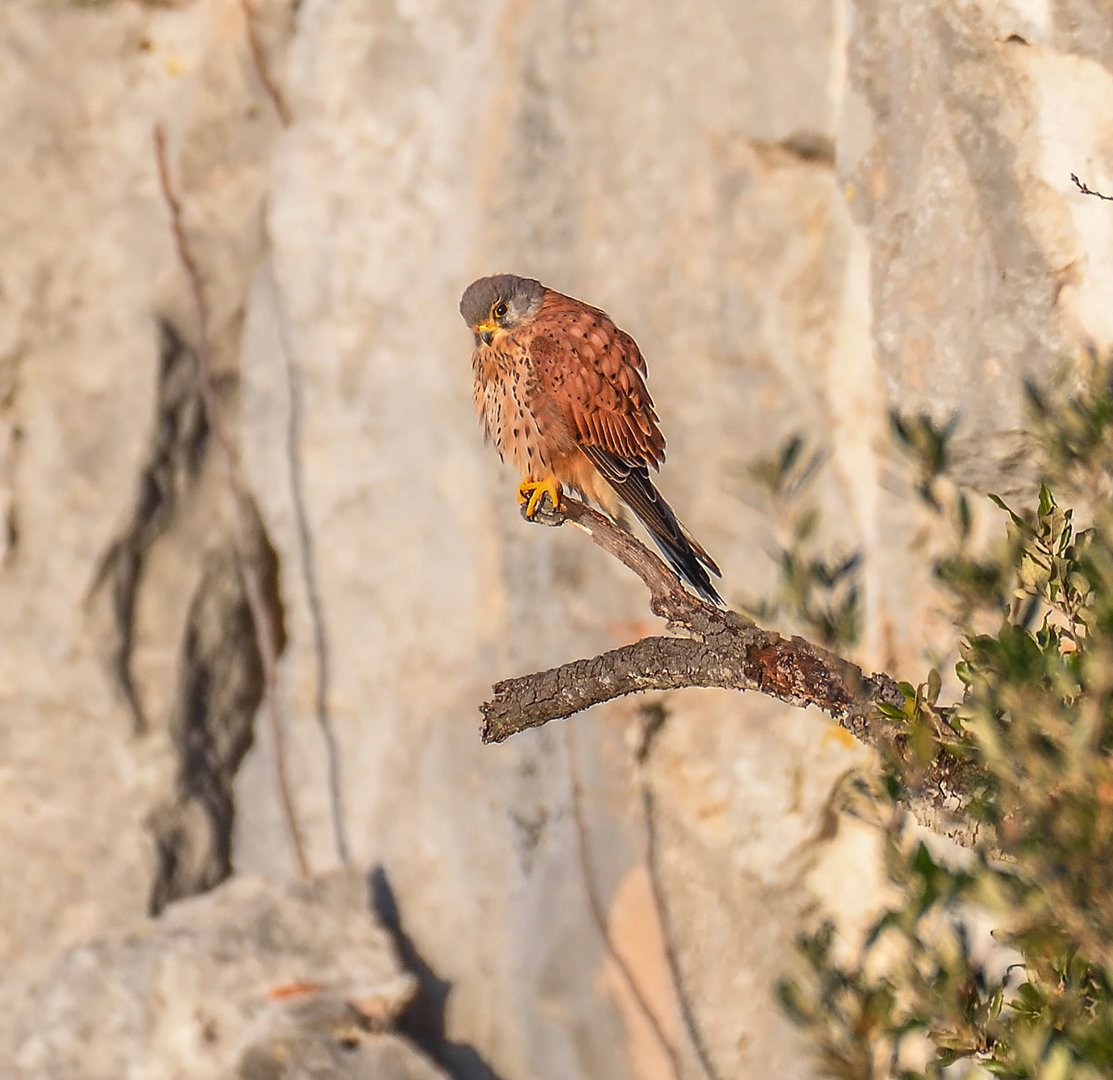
718	648
722	649
262	67
672	954
246	527
299	503
1088	190
602	923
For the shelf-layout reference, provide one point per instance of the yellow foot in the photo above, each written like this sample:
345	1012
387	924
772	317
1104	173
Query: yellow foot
531	492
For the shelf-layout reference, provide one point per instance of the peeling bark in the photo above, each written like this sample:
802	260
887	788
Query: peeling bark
719	649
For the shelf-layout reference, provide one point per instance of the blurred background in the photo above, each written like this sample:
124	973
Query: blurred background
806	213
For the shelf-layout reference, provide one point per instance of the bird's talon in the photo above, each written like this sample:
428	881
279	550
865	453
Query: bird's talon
532	492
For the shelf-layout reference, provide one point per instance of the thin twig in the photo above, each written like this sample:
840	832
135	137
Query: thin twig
321	654
262	67
687	1013
1088	190
261	615
599	915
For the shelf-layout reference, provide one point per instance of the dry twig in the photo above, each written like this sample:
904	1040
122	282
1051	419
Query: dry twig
297	489
1089	190
602	923
243	514
308	565
718	648
672	953
262	67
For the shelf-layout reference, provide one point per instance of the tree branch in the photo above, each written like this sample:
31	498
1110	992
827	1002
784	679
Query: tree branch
246	525
1087	190
262	67
721	649
717	648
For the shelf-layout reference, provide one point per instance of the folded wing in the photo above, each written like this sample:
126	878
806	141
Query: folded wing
593	374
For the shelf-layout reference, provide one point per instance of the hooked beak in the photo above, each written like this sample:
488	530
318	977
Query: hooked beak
486	331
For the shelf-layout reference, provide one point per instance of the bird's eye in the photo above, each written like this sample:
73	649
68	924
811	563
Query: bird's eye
500	310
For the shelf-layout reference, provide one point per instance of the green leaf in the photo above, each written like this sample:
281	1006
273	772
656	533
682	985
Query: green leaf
934	686
1047	502
1018	521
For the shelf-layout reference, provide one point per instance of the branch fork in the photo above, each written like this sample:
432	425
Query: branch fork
712	647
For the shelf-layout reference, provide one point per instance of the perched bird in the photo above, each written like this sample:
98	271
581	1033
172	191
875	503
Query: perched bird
560	392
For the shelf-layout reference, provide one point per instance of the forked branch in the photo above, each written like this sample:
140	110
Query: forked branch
712	648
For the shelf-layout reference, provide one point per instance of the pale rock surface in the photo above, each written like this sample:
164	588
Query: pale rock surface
805	213
254	979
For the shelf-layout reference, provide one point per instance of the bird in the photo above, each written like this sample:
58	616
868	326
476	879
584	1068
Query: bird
560	391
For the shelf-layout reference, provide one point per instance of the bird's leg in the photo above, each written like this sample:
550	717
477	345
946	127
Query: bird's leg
531	492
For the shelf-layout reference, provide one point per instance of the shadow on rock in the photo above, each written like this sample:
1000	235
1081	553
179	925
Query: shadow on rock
423	1021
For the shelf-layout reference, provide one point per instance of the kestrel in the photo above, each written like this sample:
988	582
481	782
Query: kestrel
560	392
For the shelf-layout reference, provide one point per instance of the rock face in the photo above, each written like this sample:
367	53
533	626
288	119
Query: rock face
806	214
252	980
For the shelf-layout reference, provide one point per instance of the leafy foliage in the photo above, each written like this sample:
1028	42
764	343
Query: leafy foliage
1034	726
821	595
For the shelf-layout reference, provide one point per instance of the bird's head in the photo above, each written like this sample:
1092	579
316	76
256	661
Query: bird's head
493	305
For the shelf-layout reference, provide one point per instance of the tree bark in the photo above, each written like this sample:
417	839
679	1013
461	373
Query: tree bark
720	648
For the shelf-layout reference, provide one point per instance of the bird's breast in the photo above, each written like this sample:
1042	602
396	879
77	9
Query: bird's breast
504	394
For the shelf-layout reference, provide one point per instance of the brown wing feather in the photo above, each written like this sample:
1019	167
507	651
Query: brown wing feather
591	374
684	553
592	371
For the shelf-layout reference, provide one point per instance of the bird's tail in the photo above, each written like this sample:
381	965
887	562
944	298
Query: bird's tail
682	551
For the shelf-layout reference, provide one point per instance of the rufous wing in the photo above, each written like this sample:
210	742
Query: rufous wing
592	374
